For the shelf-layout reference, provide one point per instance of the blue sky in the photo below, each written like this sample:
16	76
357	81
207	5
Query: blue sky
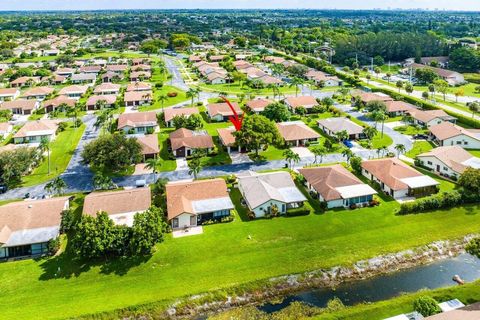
471	5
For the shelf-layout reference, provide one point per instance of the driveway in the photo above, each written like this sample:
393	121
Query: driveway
303	152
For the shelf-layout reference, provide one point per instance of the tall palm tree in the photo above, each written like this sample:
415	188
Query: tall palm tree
474	107
347	153
379	116
342	135
162	98
291	157
383	150
194	167
153	164
191	93
296	82
400	149
319	151
56	186
45	147
370	132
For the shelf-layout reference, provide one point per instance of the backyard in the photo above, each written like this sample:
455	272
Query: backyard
60	287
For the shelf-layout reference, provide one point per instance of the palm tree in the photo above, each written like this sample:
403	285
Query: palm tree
103	182
153	164
380	116
291	157
100	104
191	93
383	150
377	71
194	166
296	82
162	98
56	186
378	151
399	85
45	147
370	132
474	107
72	112
400	149
342	135
319	151
347	153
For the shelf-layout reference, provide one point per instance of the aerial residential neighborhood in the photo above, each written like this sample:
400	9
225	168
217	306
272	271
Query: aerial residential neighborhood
180	161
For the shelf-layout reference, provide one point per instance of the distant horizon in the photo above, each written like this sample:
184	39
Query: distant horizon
119	5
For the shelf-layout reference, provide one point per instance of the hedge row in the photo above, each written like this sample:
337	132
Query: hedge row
442	200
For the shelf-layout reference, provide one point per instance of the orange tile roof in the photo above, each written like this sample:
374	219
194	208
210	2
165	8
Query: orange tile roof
390	171
116	202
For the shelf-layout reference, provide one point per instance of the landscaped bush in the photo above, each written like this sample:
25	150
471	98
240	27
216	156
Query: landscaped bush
302	211
172	94
426	306
438	201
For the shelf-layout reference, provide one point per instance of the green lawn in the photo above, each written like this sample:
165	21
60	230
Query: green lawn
236	88
378	141
167	163
62	149
475	152
411	130
419	147
157	105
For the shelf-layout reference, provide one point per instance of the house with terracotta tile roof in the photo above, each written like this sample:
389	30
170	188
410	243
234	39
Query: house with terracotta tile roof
8	94
366	97
430	118
398	108
449	161
307	102
121	206
110	76
336	186
449	134
297	133
332	126
139	75
93	101
184	141
38	93
26	227
141	67
170	113
65	72
21	106
91	69
262	191
74	91
149	144
191	203
84	78
258	105
227	139
35	131
452	77
221	111
137	98
107	88
52	104
24	82
117	68
319	77
398	179
139	86
138	122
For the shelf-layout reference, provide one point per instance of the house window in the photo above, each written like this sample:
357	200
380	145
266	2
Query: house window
429	162
465	142
284	209
175	222
459	142
221	213
445	168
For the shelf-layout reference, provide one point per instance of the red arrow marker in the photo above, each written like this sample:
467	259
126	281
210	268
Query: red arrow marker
235	119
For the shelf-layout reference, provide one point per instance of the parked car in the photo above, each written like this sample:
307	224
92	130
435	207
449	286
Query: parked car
3	188
420	137
348	143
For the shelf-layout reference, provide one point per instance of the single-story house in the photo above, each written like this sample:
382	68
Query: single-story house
337	186
5	129
308	102
191	203
171	113
184	141
430	118
319	77
34	131
262	191
258	105
216	78
121	206
107	88
221	111
55	79
93	101
24	82
398	108
332	126
139	61
83	78
269	80
139	86
74	91
297	133
450	161
137	98
141	67
194	58
149	144
366	97
26	227
91	69
469	312
227	139
138	122
216	58
8	94
449	134
22	106
65	72
452	77
139	75
52	104
117	68
110	76
398	179
38	93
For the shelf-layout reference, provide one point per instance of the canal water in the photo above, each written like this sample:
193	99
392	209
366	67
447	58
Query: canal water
435	275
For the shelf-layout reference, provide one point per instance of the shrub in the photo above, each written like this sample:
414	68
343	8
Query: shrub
426	305
159	85
62	126
68	221
172	94
438	201
53	246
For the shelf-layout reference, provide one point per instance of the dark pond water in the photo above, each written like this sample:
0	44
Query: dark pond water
435	275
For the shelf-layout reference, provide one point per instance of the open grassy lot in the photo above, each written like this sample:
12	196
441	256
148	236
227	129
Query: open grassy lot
223	256
61	151
420	147
167	163
236	88
157	105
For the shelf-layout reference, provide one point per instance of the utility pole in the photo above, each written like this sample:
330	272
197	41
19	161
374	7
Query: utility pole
371	67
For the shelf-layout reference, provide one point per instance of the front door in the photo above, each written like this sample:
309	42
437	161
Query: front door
438	168
193	220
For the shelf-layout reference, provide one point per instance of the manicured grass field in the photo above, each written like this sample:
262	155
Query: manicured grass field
225	255
157	105
61	151
411	130
419	147
167	163
236	88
